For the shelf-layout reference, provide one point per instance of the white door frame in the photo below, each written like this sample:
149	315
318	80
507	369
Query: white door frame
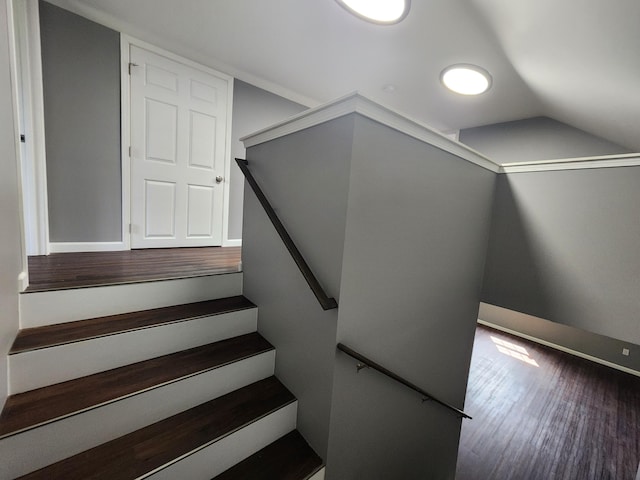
125	43
29	93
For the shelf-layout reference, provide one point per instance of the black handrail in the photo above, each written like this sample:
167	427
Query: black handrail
326	302
370	363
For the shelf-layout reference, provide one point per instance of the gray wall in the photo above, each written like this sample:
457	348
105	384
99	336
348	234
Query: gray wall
253	110
538	138
10	243
305	177
417	229
564	247
81	73
81	68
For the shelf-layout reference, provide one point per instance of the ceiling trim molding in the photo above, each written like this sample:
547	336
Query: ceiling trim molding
356	103
580	163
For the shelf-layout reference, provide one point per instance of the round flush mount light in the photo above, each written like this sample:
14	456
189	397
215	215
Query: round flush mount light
466	79
383	12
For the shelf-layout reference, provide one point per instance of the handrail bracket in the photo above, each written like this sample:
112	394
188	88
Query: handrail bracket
364	362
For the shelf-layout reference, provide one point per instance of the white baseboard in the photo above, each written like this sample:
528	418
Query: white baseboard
232	242
560	347
67	247
23	281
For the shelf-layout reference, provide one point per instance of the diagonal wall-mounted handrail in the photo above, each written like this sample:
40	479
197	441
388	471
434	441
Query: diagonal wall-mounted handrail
370	363
326	302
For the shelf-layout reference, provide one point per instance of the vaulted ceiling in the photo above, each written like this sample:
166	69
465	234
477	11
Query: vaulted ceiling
577	61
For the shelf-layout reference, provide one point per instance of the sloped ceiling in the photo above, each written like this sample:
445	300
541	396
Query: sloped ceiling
577	61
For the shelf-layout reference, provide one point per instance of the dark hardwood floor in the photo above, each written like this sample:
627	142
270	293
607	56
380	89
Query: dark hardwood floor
541	414
74	270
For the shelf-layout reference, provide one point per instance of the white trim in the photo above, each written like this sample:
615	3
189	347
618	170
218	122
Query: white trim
14	69
560	347
33	163
23	280
67	247
226	182
232	242
356	103
579	163
172	56
125	140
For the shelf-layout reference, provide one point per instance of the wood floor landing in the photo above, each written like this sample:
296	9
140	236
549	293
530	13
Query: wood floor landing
76	270
541	414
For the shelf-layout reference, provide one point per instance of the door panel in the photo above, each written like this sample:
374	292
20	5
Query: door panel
178	148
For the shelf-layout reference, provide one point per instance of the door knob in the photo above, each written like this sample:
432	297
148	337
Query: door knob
219	179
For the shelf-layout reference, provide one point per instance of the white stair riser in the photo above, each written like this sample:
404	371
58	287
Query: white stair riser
319	475
47	366
47	308
33	449
228	451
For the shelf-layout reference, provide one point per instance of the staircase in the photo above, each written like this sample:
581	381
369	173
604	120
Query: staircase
163	380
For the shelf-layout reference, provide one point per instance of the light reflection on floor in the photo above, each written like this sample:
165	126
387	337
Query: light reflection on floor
513	350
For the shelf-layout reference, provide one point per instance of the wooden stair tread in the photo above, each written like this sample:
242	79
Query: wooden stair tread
288	458
159	444
63	333
35	407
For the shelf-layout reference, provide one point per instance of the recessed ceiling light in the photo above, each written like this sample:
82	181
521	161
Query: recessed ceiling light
378	11
466	79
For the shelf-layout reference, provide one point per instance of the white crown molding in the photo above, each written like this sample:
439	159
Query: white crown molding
356	103
580	163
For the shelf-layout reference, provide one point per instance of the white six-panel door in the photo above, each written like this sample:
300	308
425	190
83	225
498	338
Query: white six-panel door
178	152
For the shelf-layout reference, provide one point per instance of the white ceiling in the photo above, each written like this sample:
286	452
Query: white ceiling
577	61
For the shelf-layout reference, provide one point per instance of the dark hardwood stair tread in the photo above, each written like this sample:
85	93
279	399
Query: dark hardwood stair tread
288	458
35	407
161	443
63	333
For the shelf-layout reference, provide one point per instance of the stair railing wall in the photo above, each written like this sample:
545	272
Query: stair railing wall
325	301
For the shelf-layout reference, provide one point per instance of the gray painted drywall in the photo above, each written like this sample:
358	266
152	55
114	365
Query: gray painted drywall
253	110
588	343
305	175
81	76
539	138
564	247
417	229
10	242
